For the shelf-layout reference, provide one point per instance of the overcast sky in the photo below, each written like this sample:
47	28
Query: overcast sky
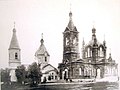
51	17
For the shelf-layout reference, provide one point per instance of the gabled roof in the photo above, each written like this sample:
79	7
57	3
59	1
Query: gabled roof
14	42
48	65
49	69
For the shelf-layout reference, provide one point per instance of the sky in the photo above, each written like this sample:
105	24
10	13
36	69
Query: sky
50	17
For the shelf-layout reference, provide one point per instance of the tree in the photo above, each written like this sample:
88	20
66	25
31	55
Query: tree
34	74
20	74
5	76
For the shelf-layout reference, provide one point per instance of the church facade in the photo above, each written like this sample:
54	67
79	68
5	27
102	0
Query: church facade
92	65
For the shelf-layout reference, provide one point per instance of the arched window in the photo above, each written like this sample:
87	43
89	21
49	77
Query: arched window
85	72
45	59
98	73
16	56
101	52
90	71
91	53
74	41
67	41
88	52
98	52
80	71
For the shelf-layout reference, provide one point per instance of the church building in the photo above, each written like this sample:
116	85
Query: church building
49	72
92	65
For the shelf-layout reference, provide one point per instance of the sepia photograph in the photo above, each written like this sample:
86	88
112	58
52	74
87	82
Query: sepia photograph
59	44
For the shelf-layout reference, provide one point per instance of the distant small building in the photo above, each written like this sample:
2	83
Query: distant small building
49	72
14	56
92	65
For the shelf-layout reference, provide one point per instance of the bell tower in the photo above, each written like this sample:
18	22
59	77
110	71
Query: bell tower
14	55
70	42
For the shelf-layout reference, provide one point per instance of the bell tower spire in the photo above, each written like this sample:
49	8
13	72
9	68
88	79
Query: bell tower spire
71	26
70	13
93	33
14	42
14	24
42	41
42	36
104	41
